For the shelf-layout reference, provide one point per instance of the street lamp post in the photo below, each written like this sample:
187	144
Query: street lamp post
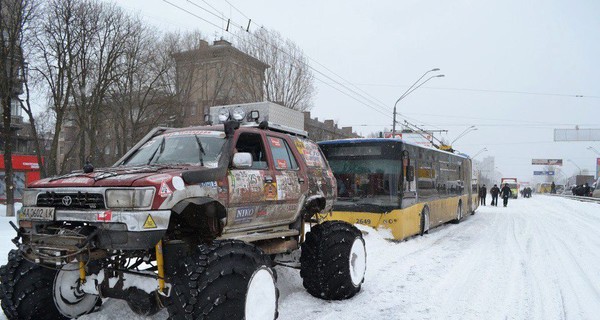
479	152
593	150
410	90
469	129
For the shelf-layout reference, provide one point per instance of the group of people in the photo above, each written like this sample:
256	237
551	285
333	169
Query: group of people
526	192
505	193
583	190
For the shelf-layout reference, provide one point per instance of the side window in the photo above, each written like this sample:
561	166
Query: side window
310	152
253	144
283	158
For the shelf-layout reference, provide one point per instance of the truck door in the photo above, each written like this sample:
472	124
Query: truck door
248	189
289	180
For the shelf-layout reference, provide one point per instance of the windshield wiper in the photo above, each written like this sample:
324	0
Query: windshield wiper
161	147
200	150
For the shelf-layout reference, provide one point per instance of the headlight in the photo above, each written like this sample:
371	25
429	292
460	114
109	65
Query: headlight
30	198
129	198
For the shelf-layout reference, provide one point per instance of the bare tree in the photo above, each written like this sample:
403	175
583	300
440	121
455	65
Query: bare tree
289	79
15	17
55	48
142	96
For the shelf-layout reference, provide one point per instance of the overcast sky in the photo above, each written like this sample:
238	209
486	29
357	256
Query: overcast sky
512	68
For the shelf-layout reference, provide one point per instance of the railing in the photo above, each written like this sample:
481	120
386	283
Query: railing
578	198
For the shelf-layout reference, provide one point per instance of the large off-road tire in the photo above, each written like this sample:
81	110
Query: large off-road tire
333	260
26	290
214	282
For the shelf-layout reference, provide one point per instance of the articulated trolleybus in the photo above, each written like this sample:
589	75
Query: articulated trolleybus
406	188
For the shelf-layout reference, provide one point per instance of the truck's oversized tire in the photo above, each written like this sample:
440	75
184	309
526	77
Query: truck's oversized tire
26	290
212	282
333	260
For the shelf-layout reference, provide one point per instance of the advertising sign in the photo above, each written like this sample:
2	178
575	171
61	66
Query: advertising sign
547	162
597	168
576	134
543	173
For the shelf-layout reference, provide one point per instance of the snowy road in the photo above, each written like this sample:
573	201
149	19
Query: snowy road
539	258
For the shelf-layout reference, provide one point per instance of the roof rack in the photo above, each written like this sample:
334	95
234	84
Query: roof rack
276	127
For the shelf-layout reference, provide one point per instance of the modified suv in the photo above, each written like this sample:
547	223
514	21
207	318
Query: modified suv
192	220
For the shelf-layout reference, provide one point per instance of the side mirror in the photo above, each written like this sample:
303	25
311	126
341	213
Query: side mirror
410	173
242	160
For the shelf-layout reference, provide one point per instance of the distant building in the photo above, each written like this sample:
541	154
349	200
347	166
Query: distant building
214	75
326	130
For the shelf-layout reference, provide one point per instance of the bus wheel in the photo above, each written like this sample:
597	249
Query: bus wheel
459	214
424	221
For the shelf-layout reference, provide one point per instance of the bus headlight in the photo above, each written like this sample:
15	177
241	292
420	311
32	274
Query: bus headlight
129	198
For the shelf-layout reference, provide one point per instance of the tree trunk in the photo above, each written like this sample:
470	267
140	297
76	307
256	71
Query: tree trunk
8	169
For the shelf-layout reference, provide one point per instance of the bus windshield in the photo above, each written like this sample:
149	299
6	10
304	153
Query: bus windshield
367	185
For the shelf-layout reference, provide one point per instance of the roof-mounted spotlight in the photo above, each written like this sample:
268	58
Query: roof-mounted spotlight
223	115
254	115
238	114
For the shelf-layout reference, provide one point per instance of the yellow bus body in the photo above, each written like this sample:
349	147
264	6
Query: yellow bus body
405	223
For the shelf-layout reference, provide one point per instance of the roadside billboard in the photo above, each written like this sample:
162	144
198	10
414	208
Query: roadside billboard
576	134
547	162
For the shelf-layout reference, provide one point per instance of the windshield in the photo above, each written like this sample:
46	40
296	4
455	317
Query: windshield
367	185
187	147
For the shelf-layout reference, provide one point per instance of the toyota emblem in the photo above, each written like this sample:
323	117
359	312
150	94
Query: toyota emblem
67	200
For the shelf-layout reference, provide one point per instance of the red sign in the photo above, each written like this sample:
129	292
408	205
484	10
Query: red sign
22	162
104	216
597	168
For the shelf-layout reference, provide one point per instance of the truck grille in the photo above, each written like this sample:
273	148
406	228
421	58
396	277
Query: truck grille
71	201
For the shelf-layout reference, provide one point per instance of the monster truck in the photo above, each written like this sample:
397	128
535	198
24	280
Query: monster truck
192	220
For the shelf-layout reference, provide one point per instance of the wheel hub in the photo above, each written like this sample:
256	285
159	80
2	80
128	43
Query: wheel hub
261	298
358	262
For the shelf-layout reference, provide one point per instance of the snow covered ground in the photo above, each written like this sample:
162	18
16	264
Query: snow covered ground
538	258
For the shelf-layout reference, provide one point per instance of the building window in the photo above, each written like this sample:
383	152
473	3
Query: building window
15	107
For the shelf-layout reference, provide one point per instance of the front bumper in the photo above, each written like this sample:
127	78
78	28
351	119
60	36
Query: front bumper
115	230
135	221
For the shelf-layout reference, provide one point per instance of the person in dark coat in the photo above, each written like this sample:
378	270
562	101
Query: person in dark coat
482	194
553	188
494	191
505	193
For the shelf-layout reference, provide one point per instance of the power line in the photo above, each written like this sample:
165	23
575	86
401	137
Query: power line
489	91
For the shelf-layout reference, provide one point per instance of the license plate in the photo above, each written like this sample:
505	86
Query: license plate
37	213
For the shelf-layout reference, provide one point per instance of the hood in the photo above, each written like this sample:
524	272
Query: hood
115	177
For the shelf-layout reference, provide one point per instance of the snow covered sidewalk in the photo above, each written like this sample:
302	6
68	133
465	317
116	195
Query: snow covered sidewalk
538	258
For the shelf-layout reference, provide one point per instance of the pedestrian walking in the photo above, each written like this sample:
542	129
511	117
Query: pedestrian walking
505	193
482	194
553	188
494	191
